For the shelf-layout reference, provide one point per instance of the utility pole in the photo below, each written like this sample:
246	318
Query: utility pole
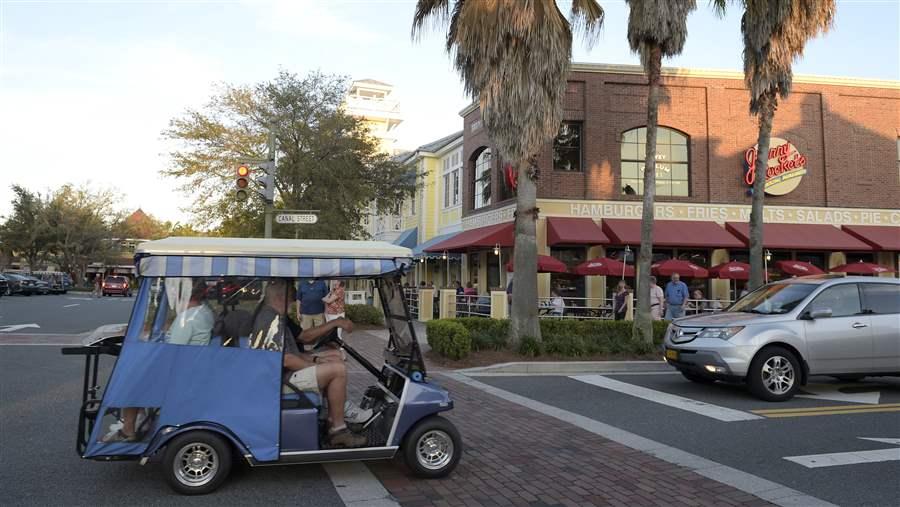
270	183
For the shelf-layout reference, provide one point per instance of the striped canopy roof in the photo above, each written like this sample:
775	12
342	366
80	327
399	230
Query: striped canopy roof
269	258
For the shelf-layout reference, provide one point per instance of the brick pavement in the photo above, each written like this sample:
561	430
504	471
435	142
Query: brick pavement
516	456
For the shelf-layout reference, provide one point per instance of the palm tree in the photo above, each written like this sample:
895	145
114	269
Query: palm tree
775	33
655	29
514	56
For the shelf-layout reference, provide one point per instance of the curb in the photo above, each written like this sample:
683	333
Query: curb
568	368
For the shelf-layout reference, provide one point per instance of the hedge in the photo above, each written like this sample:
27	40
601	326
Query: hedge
364	314
567	338
449	339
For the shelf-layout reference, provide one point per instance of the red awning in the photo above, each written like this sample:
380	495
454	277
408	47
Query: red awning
881	237
733	270
679	267
602	266
800	237
797	268
861	268
474	239
545	264
671	233
574	231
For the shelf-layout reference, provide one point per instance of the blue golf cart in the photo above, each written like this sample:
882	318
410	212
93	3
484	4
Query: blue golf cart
197	389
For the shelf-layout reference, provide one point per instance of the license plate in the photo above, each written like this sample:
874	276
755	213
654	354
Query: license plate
672	354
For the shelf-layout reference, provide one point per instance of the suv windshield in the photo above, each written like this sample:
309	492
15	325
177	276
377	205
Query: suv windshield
774	299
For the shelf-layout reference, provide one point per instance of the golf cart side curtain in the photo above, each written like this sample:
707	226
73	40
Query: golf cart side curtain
816	237
168	265
671	233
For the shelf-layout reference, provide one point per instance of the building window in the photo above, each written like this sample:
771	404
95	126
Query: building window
452	169
482	183
672	162
567	147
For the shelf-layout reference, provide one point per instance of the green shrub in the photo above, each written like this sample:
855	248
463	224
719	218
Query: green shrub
565	345
448	338
486	334
530	347
364	314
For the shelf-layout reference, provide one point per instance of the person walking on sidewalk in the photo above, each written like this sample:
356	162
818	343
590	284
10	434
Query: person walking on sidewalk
311	308
620	301
657	300
334	303
677	294
98	285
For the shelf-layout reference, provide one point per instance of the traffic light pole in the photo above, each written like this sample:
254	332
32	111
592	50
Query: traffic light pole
270	184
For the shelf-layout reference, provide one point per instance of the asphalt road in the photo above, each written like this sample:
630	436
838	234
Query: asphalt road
70	313
758	446
40	392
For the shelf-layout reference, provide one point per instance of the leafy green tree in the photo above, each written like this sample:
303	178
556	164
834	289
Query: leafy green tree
25	232
81	224
327	160
655	30
514	57
775	33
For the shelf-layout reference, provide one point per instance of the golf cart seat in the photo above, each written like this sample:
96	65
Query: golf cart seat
302	400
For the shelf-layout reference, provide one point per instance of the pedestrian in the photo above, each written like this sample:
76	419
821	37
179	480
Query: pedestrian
310	307
697	303
98	285
657	300
334	304
557	304
676	296
620	300
458	287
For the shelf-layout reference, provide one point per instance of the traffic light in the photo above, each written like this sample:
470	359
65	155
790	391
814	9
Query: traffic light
242	182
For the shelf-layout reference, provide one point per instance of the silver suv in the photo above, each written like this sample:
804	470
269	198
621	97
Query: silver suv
778	335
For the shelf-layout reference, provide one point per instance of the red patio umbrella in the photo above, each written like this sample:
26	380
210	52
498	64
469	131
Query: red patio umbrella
797	268
546	264
682	268
604	266
861	268
733	270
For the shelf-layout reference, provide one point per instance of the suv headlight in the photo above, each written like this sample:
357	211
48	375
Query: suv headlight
722	333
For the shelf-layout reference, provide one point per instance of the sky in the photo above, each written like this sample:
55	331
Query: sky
87	87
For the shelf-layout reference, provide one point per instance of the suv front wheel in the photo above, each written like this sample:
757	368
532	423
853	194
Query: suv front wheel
774	374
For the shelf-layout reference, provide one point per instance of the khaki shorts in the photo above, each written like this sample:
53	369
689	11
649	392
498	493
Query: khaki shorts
304	380
311	321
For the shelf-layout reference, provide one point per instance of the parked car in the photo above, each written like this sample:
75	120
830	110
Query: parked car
55	280
40	287
20	284
4	286
776	337
116	285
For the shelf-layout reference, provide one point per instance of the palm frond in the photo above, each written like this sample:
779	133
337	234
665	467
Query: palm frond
586	18
658	24
719	7
435	10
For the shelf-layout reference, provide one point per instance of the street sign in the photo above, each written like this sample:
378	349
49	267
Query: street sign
296	218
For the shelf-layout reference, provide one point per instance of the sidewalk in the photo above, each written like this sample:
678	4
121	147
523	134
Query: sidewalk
517	456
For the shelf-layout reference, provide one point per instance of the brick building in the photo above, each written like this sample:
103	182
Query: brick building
834	186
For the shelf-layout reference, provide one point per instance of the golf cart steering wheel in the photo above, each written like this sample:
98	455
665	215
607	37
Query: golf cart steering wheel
330	337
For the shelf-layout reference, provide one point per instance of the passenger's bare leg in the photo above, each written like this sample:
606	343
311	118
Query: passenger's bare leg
332	379
129	416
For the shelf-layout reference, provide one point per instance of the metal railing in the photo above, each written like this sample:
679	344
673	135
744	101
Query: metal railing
576	308
697	306
412	301
473	305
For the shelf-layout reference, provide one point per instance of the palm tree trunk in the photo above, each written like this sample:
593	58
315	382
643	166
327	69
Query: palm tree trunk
766	115
524	313
642	331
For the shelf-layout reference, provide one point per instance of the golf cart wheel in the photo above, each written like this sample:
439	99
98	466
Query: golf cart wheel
196	463
774	374
700	379
432	448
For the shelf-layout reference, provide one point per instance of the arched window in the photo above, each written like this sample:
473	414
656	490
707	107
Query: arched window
672	162
482	180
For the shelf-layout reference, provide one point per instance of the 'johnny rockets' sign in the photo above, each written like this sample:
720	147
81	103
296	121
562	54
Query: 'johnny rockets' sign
786	167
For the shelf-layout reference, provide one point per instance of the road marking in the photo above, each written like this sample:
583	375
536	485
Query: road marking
82	299
10	329
834	410
850	458
73	304
698	407
738	479
357	486
833	392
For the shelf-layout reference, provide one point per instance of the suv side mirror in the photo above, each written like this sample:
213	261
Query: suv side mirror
819	313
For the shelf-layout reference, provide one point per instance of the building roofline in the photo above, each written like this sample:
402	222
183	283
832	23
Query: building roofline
637	70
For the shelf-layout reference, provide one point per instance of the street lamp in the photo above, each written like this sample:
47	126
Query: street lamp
497	252
766	267
625	256
447	260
